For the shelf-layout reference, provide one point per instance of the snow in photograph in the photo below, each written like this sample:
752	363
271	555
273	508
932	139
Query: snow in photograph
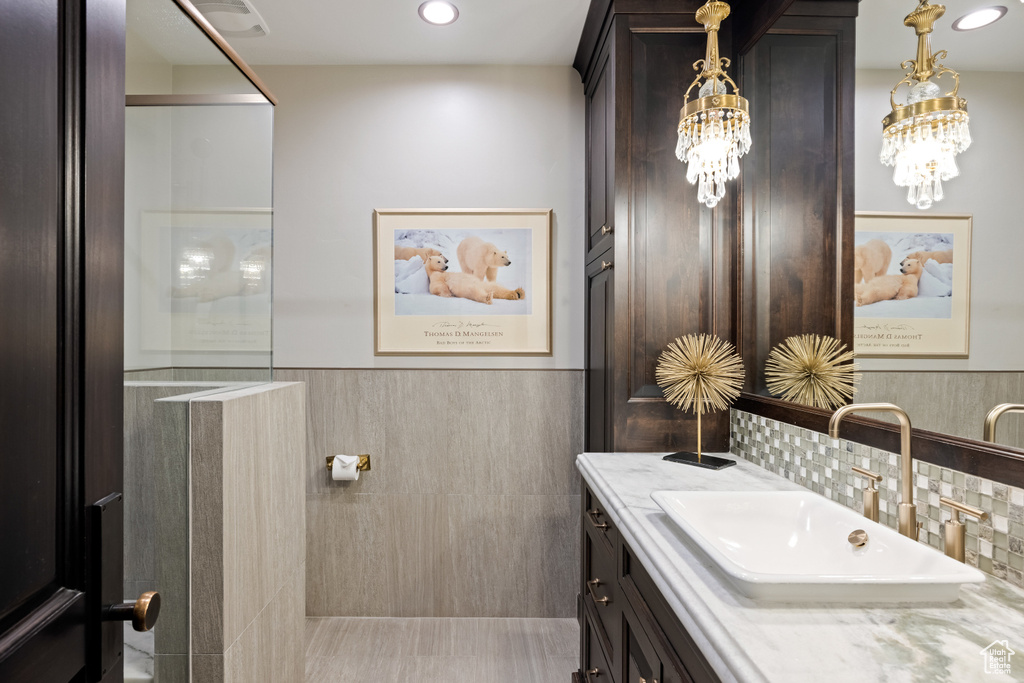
412	286
935	287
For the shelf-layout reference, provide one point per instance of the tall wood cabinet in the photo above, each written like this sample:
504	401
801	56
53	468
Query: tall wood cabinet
661	265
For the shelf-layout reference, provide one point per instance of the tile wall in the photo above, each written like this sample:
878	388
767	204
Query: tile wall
822	464
471	508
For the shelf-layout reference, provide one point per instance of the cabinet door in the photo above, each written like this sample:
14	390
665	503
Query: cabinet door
601	155
600	309
639	659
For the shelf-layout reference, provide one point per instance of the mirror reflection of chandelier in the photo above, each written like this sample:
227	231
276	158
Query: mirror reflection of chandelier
714	129
922	137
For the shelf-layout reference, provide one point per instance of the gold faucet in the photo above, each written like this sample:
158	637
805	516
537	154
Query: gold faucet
994	415
907	510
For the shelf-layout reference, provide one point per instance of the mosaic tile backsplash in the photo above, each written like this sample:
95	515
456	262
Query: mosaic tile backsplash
822	464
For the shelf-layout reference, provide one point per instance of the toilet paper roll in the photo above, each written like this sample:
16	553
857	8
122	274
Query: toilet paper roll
344	468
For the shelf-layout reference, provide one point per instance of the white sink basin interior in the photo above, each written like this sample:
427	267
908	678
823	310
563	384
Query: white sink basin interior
793	546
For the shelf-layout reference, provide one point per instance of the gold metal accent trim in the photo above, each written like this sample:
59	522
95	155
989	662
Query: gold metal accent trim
858	538
206	27
932	106
734	102
191	100
993	417
868	474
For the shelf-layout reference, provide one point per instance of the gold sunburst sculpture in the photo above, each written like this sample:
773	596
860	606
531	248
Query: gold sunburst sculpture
812	370
700	374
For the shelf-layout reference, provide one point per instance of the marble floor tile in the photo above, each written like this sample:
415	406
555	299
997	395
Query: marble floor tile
441	649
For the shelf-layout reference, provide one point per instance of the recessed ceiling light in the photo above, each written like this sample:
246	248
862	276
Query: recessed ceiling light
441	13
979	18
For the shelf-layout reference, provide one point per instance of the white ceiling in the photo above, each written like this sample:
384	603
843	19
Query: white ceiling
883	42
534	32
391	32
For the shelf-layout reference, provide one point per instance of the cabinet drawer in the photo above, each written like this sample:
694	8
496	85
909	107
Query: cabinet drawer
600	593
595	665
598	524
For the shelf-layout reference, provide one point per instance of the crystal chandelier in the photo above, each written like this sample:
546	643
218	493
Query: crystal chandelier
714	129
922	138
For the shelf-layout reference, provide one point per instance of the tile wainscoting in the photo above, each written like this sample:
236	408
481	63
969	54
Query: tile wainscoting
471	507
976	392
822	464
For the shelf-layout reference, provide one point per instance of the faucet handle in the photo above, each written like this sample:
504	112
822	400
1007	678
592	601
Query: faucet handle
870	493
954	531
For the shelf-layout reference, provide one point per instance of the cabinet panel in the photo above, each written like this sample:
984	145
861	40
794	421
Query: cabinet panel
798	186
601	156
679	274
680	657
600	339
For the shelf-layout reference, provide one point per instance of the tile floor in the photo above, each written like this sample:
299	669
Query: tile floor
386	650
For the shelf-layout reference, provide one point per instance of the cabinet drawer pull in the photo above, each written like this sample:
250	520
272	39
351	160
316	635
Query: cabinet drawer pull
605	265
594	514
607	230
590	587
595	672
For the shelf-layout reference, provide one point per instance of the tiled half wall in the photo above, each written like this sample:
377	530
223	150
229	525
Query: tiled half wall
471	508
822	464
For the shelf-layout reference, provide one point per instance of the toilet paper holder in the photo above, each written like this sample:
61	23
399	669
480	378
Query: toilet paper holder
363	465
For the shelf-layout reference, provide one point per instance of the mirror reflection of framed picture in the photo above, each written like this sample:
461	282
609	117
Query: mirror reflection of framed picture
462	282
912	285
204	280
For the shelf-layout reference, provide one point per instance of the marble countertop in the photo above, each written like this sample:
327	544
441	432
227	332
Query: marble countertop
751	642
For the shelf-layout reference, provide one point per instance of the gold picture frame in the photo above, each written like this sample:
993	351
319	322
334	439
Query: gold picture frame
500	307
930	319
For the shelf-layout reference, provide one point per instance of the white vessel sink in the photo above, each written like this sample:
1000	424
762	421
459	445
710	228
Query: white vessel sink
793	546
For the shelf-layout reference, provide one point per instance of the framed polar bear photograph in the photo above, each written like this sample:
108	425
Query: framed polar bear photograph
912	285
462	281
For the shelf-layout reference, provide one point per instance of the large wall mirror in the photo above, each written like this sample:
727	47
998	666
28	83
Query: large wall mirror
953	395
797	260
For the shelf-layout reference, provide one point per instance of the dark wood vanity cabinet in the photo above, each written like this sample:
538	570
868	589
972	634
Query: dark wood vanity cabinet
661	265
628	631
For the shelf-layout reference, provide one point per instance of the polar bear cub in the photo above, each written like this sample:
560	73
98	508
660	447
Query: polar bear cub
481	259
464	285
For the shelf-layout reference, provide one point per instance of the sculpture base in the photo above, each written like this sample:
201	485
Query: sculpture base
709	462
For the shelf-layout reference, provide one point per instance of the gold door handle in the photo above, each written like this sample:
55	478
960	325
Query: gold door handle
595	672
143	613
590	587
605	265
607	230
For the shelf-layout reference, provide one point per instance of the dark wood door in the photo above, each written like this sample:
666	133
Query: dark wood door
61	255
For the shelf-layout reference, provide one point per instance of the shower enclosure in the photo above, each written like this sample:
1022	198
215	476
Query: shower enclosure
198	280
